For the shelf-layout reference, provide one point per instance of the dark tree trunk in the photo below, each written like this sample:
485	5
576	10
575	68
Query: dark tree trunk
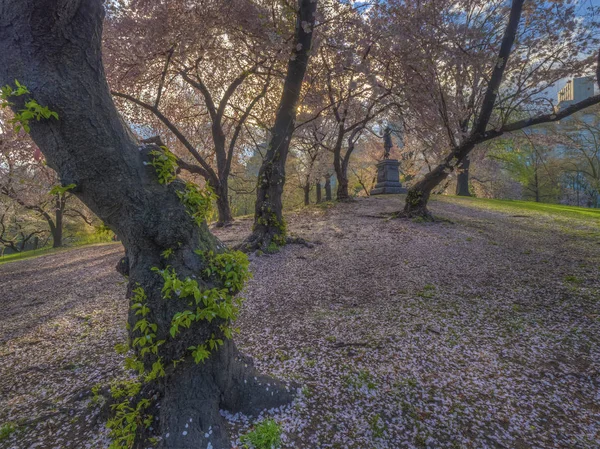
57	229
462	179
57	232
340	164
306	189
54	48
223	205
328	196
418	195
341	173
269	225
318	190
342	189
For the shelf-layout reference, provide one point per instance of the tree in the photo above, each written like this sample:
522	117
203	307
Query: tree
478	74
194	71
16	231
27	182
269	224
54	48
578	141
530	163
355	82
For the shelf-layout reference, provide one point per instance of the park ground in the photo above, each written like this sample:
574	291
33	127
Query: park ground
479	330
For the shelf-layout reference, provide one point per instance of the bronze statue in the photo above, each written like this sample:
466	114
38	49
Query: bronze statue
387	142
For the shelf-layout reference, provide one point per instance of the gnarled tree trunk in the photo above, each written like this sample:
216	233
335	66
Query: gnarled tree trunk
54	48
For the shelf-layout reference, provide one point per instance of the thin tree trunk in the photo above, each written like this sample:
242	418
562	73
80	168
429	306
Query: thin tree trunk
342	177
306	189
54	48
462	180
269	225
57	231
328	196
318	190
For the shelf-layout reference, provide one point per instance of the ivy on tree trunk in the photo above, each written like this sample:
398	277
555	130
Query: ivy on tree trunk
54	48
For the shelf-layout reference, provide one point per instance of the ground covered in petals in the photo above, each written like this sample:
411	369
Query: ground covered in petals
479	330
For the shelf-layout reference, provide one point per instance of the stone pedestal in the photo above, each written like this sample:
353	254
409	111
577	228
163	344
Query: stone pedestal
388	178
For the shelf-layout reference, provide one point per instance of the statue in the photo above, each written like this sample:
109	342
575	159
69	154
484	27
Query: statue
387	142
388	176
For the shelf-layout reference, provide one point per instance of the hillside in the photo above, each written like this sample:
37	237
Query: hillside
478	330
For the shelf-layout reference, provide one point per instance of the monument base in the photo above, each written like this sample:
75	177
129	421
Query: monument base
388	178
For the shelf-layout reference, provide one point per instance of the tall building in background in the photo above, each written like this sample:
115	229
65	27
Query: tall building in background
575	90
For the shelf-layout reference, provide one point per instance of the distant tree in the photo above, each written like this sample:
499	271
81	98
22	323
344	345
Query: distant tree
578	141
26	181
532	164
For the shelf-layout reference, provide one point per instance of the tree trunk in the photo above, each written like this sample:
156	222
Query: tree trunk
57	231
342	189
536	185
462	180
328	196
418	195
269	225
306	189
223	206
318	190
54	48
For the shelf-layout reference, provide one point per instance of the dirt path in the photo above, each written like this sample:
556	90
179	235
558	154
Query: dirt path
481	331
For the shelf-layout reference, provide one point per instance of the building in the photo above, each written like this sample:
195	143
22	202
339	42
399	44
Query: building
575	90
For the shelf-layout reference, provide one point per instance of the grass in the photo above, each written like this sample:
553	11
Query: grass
265	435
44	252
514	206
6	430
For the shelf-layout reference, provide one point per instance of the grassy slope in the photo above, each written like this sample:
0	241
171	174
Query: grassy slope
44	251
516	207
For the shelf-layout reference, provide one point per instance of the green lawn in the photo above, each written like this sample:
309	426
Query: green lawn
43	252
521	207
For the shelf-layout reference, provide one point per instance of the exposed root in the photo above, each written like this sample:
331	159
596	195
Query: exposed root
299	241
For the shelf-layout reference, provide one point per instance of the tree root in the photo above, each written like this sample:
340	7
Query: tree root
299	241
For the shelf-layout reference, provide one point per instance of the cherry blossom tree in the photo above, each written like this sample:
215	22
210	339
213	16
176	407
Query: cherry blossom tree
196	73
473	69
33	190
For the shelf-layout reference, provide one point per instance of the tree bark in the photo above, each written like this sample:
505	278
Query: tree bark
306	189
342	177
328	196
57	230
319	192
223	205
54	48
462	179
269	224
